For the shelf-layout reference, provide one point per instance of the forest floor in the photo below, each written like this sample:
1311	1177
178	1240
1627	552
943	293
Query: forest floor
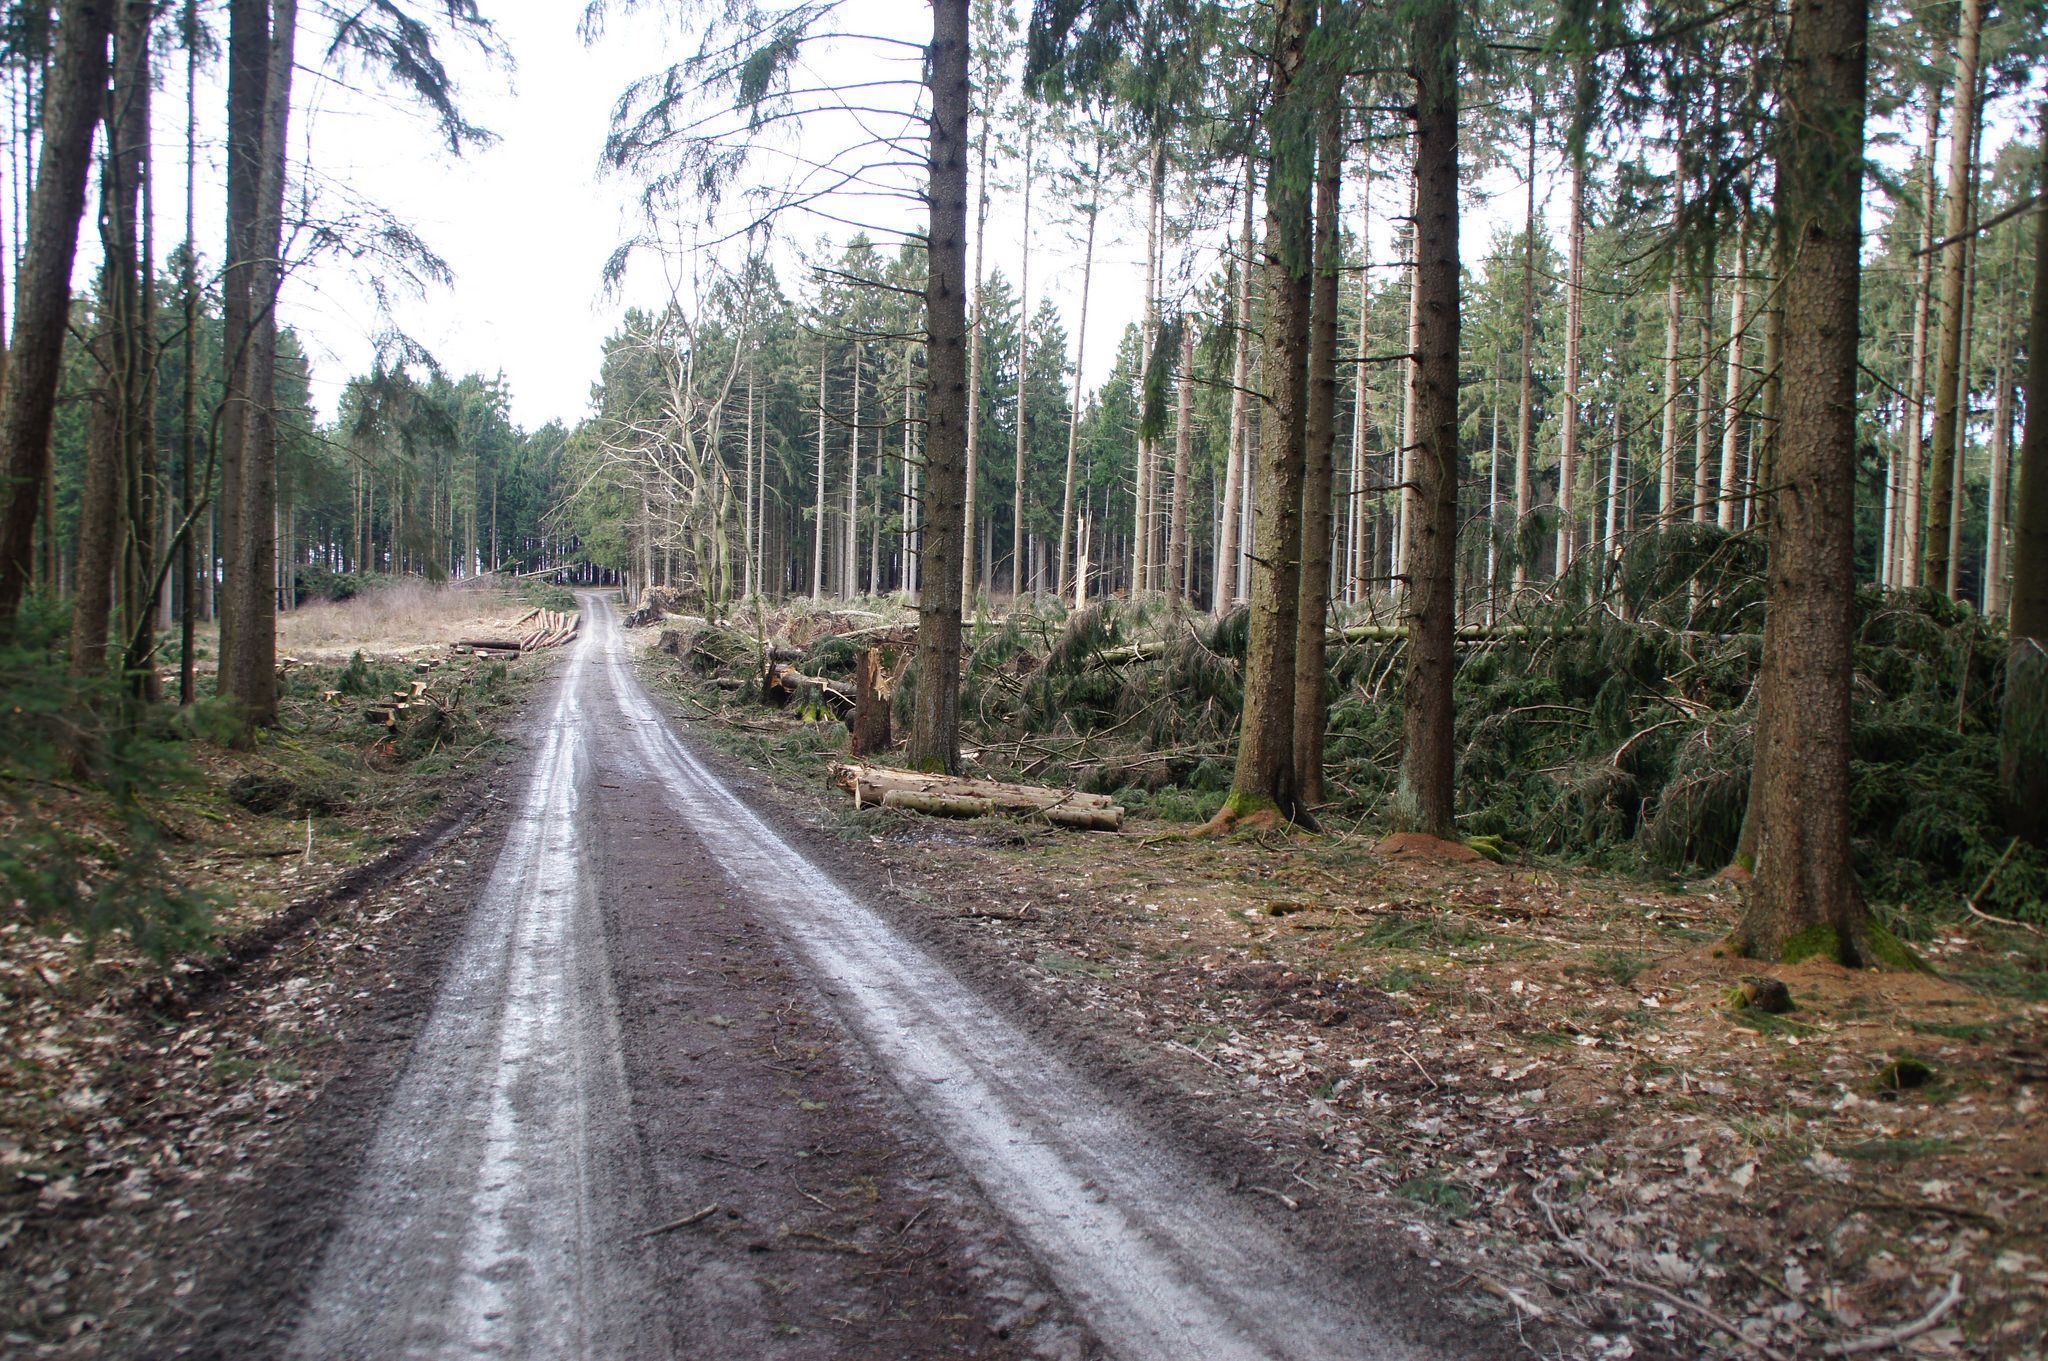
1547	1075
124	1092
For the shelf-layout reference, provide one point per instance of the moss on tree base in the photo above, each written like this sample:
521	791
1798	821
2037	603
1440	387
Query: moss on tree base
1877	948
1243	812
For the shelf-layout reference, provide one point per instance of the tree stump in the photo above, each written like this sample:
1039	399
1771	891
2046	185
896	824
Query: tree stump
871	726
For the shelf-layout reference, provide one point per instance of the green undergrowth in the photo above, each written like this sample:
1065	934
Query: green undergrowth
107	801
1607	723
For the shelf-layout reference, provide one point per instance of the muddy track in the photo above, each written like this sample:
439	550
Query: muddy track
682	1094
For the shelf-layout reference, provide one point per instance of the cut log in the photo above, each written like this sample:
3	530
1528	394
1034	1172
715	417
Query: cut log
939	805
1062	807
490	644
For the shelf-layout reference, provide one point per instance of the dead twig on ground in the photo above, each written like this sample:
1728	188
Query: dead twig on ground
1670	1297
685	1222
1892	1337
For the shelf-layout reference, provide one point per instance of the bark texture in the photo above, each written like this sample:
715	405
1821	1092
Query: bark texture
1423	791
1948	367
1804	899
42	283
1311	701
935	714
2023	763
1264	781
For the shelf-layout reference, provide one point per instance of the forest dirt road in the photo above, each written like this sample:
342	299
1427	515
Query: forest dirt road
681	1094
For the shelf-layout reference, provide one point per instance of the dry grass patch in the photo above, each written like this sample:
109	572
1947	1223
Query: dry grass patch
403	619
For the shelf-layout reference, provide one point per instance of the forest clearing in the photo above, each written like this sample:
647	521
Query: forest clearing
1269	679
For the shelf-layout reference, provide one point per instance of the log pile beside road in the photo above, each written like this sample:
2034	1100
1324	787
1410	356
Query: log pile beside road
538	629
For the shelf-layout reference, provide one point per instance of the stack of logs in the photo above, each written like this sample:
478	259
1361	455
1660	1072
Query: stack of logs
538	629
960	797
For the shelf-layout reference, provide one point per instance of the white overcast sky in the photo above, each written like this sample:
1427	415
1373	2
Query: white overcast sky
527	223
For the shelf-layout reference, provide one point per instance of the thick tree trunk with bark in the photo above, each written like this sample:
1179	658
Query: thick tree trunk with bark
2023	748
42	284
1263	787
112	447
248	60
250	672
935	713
1804	899
1955	258
1311	702
1423	792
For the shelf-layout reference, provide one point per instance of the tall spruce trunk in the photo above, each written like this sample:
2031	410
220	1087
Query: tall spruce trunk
1080	358
1948	366
1804	899
849	544
973	417
99	497
818	513
147	532
1145	494
1906	556
1703	400
1405	460
1731	400
1311	702
1525	423
1952	585
42	283
1183	462
1017	586
1361	392
1229	588
110	448
1574	323
248	60
1423	793
2023	733
1995	508
935	707
194	491
1667	466
254	663
1263	786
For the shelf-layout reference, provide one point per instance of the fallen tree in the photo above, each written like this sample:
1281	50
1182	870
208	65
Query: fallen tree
961	796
